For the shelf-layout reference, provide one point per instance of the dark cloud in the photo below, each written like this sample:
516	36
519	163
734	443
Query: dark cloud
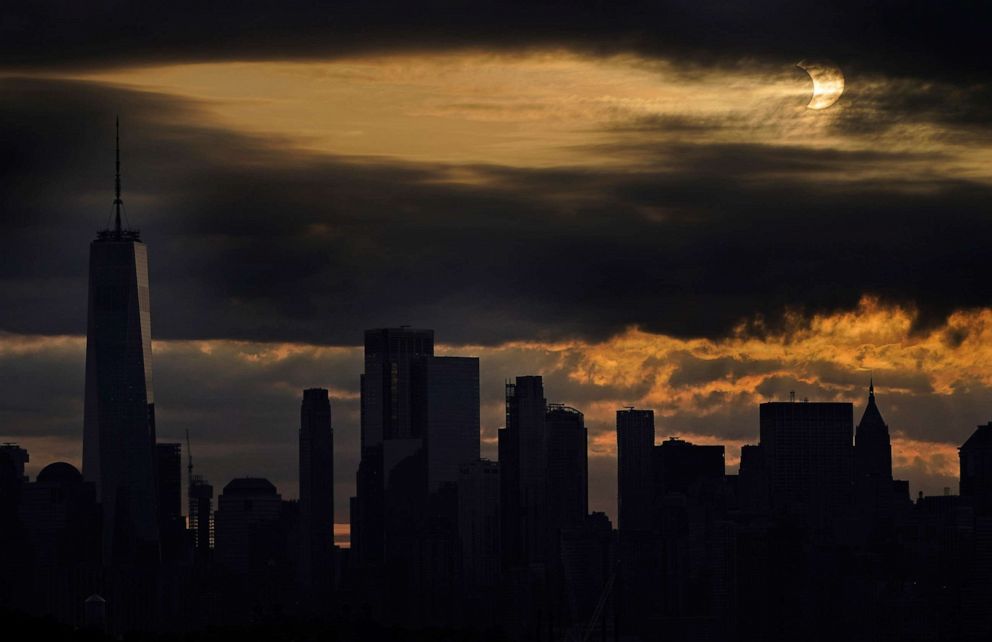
250	239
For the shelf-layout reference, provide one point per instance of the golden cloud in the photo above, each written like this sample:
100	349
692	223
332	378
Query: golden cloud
698	387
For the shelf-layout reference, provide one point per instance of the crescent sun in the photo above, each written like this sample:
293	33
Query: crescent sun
828	82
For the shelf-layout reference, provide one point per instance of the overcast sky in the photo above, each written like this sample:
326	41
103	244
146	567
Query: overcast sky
631	199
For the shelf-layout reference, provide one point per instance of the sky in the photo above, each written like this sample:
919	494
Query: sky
631	199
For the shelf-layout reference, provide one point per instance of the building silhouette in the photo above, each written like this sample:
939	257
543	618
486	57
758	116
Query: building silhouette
809	458
445	401
567	469
62	521
872	447
587	568
881	502
975	457
386	417
679	465
635	482
119	410
523	473
199	503
168	479
316	488
247	509
752	480
200	496
420	426
479	537
12	460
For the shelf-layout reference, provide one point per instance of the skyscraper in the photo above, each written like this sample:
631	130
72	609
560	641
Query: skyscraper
568	469
169	469
523	464
386	388
478	528
168	479
200	497
446	415
872	448
246	508
420	424
809	457
752	480
976	469
316	484
874	491
119	415
13	457
635	441
386	414
678	465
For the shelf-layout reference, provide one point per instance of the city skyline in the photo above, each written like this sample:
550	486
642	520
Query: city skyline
602	457
635	202
520	320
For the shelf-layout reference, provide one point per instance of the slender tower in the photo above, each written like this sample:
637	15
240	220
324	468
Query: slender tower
635	475
119	415
316	486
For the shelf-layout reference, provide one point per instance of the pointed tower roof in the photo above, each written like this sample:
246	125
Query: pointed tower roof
872	417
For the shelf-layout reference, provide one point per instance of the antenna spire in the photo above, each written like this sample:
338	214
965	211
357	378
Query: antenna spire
871	385
117	180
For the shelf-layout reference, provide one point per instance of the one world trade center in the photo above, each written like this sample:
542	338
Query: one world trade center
119	420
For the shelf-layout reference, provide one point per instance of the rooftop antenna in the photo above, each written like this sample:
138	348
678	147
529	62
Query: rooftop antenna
792	396
117	179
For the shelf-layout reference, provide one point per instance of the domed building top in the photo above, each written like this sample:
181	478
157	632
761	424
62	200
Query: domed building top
250	485
60	473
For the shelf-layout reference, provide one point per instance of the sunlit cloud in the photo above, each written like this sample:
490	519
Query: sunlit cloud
547	108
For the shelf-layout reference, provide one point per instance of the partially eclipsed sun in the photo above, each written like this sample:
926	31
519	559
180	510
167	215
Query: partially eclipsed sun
828	82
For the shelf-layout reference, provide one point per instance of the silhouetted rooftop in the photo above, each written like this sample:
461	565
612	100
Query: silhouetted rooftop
250	485
60	473
981	438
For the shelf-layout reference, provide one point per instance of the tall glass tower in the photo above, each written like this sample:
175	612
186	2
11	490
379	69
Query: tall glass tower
119	418
316	486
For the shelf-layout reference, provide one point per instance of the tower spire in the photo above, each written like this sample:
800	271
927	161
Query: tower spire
117	179
871	385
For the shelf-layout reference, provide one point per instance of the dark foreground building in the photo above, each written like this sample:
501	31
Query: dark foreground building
635	480
976	469
809	458
419	428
